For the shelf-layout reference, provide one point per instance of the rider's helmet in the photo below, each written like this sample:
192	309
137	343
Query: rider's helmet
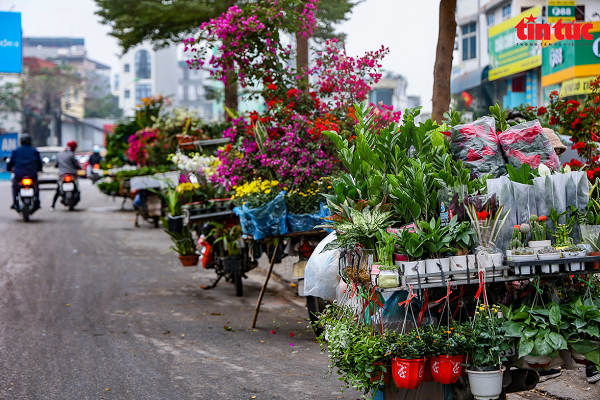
72	145
96	149
25	140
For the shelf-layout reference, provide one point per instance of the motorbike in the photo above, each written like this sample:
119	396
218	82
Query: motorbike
96	173
28	201
69	190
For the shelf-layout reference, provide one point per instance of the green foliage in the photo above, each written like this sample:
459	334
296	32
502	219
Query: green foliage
409	346
183	241
525	175
461	235
229	236
453	340
562	231
538	230
410	245
116	143
536	330
436	238
488	340
386	246
500	117
103	107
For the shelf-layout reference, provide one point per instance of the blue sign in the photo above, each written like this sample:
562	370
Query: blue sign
8	143
11	55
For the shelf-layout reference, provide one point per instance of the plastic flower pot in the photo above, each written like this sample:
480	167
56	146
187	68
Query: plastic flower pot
386	375
427	377
189	260
459	263
175	223
595	264
432	266
408	374
550	268
446	369
573	266
539	244
524	270
485	385
387	279
408	269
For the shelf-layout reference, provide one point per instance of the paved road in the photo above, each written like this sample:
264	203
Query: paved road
93	308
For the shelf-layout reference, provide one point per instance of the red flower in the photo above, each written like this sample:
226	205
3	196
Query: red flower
228	148
542	218
292	93
541	111
553	120
590	175
272	87
482	215
517	226
578	145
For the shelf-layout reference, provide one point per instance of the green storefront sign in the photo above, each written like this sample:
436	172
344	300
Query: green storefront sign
561	9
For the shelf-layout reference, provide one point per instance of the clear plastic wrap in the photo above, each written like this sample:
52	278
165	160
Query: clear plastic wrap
527	143
321	272
477	145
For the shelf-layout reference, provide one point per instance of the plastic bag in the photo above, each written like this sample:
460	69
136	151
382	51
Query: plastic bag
268	220
321	271
323	213
302	222
477	145
393	314
527	143
245	221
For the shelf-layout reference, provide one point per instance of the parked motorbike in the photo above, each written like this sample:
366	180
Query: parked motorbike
96	173
28	201
69	190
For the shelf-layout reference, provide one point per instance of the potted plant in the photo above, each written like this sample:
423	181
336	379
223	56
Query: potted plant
436	239
388	271
546	254
449	346
562	231
538	332
231	239
184	245
487	224
572	252
175	213
462	240
408	362
516	240
485	369
524	254
411	246
591	236
538	232
580	330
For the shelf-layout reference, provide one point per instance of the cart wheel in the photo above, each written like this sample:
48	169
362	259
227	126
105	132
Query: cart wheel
239	287
155	221
316	306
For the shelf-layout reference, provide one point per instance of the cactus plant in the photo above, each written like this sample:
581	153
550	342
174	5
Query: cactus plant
538	227
515	241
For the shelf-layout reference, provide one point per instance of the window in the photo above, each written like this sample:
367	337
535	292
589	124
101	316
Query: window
127	94
469	41
116	81
506	11
126	67
142	64
185	93
490	18
580	13
142	91
382	95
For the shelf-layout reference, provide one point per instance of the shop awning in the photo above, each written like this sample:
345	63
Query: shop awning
469	80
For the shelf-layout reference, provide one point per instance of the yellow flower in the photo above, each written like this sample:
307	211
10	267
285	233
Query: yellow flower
285	188
274	183
268	191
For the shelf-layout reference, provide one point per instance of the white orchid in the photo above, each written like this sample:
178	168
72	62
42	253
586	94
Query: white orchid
567	169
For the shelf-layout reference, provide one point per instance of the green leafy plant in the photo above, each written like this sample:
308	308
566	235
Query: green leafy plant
525	175
461	235
183	242
580	326
453	340
487	338
171	198
537	329
408	346
487	224
562	230
229	236
410	245
436	238
386	246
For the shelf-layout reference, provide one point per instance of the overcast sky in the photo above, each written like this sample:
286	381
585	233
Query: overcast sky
408	28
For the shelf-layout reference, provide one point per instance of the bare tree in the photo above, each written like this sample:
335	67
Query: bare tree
443	59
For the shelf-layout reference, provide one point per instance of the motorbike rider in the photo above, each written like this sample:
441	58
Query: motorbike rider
95	158
66	164
25	162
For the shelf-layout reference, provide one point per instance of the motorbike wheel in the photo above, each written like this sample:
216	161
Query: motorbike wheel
71	206
25	212
316	306
237	281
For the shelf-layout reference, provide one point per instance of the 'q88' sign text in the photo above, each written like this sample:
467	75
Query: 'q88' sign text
561	9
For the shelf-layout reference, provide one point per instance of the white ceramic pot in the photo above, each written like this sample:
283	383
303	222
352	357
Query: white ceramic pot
508	253
408	269
539	244
432	267
459	263
497	259
485	385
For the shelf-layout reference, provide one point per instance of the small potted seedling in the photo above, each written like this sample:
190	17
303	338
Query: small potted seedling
388	271
538	232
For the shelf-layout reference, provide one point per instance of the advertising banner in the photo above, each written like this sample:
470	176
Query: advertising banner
11	55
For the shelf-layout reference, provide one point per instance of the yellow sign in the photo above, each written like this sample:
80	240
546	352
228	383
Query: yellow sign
561	10
516	67
575	87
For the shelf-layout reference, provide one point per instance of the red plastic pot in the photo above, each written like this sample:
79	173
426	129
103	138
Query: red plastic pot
408	374
427	377
446	369
386	374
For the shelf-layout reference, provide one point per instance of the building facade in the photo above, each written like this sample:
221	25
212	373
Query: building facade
491	65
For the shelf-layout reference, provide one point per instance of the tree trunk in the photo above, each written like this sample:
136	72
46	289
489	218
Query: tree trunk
302	60
443	59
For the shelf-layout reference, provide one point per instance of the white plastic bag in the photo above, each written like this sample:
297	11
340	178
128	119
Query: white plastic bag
321	272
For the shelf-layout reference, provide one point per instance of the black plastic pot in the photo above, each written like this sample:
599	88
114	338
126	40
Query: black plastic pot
175	224
278	255
232	264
